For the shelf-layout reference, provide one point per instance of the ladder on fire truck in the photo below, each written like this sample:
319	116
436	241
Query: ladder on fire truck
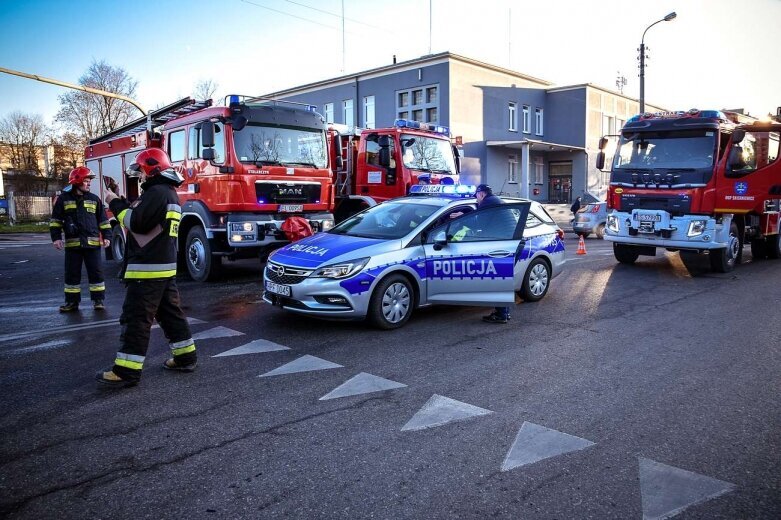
347	143
158	118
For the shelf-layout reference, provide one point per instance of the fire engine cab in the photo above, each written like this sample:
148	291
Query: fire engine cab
248	167
694	182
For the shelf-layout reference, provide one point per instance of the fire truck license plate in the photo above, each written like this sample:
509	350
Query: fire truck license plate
291	208
284	290
646	217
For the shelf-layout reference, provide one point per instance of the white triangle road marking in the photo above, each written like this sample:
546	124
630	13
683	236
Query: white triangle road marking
363	383
217	332
191	321
535	443
305	363
666	491
254	347
440	410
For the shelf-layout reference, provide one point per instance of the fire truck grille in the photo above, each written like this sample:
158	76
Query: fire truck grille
673	205
285	275
286	193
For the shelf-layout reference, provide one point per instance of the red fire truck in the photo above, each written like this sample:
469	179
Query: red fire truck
374	165
694	182
248	167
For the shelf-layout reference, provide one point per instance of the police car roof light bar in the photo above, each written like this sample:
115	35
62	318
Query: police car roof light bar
456	191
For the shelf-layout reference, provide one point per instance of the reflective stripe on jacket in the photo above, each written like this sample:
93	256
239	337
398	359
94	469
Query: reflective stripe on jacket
81	218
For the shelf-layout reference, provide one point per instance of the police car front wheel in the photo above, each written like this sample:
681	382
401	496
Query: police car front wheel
391	303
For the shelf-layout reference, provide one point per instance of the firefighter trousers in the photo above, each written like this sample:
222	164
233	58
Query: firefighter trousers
146	301
90	257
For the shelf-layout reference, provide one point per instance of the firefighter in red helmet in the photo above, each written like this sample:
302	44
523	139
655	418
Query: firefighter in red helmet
79	214
149	272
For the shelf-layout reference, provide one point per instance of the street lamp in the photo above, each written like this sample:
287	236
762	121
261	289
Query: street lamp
642	59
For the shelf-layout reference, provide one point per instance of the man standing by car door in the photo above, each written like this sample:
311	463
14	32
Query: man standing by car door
486	198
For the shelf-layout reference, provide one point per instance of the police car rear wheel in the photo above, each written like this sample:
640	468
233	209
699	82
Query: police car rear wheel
391	303
536	281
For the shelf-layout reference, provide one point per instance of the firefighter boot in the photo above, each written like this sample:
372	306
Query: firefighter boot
109	378
98	305
69	307
170	364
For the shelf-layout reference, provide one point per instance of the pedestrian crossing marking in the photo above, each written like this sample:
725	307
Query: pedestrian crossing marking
305	363
440	410
665	490
535	443
254	347
217	332
362	383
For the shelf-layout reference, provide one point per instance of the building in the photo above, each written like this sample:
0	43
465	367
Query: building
522	135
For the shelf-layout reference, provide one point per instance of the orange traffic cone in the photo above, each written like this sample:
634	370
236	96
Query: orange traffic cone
581	246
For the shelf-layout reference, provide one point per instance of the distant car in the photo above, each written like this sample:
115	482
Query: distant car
433	248
591	219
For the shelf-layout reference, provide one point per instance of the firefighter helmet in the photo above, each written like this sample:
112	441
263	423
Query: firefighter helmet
79	175
153	162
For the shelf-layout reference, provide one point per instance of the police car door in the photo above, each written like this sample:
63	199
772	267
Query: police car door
472	259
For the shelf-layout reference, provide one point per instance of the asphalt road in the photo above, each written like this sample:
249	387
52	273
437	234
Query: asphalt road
628	392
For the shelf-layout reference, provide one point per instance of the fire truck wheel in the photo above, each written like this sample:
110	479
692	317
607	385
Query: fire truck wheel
625	254
724	260
201	263
773	246
118	244
758	248
536	281
391	303
600	231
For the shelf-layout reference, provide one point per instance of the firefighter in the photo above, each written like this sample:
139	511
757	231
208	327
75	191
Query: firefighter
81	216
149	272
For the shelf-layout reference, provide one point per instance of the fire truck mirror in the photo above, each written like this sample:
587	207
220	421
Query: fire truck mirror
238	122
457	159
384	155
600	160
207	135
602	143
207	154
738	135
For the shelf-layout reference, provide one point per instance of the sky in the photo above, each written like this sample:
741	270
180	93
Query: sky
715	54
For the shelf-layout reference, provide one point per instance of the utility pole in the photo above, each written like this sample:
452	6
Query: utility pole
343	47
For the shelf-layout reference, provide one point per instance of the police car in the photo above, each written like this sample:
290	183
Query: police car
432	247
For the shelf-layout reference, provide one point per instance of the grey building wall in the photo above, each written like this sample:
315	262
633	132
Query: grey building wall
565	117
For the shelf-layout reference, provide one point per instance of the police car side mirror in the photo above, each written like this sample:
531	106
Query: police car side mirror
440	240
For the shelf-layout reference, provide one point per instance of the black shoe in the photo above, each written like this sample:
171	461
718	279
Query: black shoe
109	378
69	307
495	318
98	305
170	364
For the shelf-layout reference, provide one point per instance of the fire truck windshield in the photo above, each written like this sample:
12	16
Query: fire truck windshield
688	154
428	154
281	145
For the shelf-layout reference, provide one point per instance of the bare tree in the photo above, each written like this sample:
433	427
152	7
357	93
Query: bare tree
66	154
205	89
90	115
23	134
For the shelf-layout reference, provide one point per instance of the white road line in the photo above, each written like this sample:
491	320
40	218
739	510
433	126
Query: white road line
69	328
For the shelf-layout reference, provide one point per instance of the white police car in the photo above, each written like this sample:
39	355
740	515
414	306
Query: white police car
419	250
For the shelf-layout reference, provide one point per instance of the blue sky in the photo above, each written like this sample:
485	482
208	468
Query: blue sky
716	54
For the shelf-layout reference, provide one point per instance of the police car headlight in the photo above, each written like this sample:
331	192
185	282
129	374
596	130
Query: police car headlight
341	270
696	228
612	223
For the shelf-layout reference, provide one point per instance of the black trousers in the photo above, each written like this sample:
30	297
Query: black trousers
90	257
146	301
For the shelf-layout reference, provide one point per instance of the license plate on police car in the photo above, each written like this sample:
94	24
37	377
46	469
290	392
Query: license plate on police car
276	288
291	208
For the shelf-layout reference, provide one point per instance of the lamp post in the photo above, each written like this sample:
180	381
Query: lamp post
642	59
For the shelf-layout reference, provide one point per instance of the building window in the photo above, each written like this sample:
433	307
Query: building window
538	121
328	112
348	115
419	104
619	124
526	121
512	169
608	125
538	170
512	112
368	111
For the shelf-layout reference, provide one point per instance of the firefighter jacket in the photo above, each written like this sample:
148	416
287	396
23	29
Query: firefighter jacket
81	217
152	225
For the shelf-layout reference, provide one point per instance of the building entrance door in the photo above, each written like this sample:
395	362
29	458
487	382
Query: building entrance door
560	182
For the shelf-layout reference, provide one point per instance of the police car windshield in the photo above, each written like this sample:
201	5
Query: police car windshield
390	220
280	146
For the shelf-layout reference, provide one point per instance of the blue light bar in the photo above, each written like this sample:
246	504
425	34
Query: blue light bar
456	191
437	129
234	99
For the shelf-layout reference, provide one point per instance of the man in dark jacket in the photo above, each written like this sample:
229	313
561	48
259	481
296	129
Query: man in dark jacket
575	207
80	215
152	225
485	198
